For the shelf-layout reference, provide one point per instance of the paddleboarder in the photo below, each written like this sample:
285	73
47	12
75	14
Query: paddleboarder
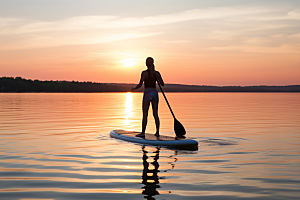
149	77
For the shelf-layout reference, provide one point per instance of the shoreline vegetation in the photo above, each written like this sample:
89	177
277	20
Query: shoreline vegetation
19	85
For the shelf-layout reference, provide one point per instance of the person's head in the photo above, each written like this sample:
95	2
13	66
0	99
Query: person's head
149	62
150	66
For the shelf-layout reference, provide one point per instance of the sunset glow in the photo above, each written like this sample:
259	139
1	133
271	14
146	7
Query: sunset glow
192	42
129	62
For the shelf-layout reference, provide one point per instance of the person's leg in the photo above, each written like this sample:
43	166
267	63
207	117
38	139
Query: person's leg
145	108
155	115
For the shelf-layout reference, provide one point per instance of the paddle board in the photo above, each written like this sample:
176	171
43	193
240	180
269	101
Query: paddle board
151	139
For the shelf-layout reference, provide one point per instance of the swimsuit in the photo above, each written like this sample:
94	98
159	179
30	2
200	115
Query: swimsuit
150	94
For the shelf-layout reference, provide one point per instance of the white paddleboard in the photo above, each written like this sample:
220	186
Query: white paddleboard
151	139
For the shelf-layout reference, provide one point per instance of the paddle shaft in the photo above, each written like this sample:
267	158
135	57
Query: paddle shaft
165	99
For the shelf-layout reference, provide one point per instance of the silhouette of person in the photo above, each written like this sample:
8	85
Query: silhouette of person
149	78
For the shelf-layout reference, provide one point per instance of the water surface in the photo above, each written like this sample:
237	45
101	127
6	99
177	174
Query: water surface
57	146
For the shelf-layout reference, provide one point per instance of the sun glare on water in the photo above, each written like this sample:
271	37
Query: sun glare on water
128	62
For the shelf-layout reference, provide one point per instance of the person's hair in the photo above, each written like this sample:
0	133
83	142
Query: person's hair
151	67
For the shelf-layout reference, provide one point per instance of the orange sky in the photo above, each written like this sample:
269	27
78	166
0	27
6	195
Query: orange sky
246	43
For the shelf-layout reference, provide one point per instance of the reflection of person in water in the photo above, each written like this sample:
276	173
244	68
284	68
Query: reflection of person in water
150	176
150	181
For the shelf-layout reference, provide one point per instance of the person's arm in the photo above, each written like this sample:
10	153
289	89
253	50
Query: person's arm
159	78
140	83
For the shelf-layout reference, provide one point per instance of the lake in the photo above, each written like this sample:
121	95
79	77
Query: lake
57	146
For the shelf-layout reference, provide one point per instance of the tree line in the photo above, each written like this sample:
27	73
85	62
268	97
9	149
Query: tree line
19	84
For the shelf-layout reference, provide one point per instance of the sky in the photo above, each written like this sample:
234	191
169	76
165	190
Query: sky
216	42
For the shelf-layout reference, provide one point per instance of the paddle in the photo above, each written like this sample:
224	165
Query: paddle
178	127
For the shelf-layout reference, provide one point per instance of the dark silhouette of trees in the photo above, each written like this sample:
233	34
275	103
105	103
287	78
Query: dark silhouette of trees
19	84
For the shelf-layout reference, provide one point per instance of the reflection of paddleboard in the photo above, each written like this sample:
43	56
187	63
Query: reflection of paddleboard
153	140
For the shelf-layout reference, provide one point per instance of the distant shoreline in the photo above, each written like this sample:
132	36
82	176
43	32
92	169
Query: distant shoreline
21	85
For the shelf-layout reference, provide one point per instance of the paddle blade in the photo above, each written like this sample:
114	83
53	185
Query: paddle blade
179	129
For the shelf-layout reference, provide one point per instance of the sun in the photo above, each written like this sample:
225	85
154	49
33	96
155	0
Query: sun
129	62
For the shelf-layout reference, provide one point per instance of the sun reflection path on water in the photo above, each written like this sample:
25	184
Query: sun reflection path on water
128	109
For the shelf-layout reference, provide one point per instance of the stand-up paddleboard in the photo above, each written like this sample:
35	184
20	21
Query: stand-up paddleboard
151	139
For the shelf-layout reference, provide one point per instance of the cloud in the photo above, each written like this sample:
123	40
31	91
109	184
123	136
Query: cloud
283	49
21	26
277	14
16	33
176	41
256	40
224	34
68	38
297	35
295	14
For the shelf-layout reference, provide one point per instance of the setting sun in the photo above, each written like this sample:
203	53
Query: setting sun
128	62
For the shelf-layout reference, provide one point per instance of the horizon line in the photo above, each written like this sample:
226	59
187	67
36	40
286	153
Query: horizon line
165	83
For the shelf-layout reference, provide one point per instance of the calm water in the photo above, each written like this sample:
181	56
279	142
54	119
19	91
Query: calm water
57	146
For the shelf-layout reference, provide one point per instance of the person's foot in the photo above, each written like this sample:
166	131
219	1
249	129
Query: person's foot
156	134
140	135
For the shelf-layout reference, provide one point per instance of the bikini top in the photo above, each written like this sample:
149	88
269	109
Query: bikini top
150	82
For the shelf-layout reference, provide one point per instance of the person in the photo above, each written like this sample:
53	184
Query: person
149	78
